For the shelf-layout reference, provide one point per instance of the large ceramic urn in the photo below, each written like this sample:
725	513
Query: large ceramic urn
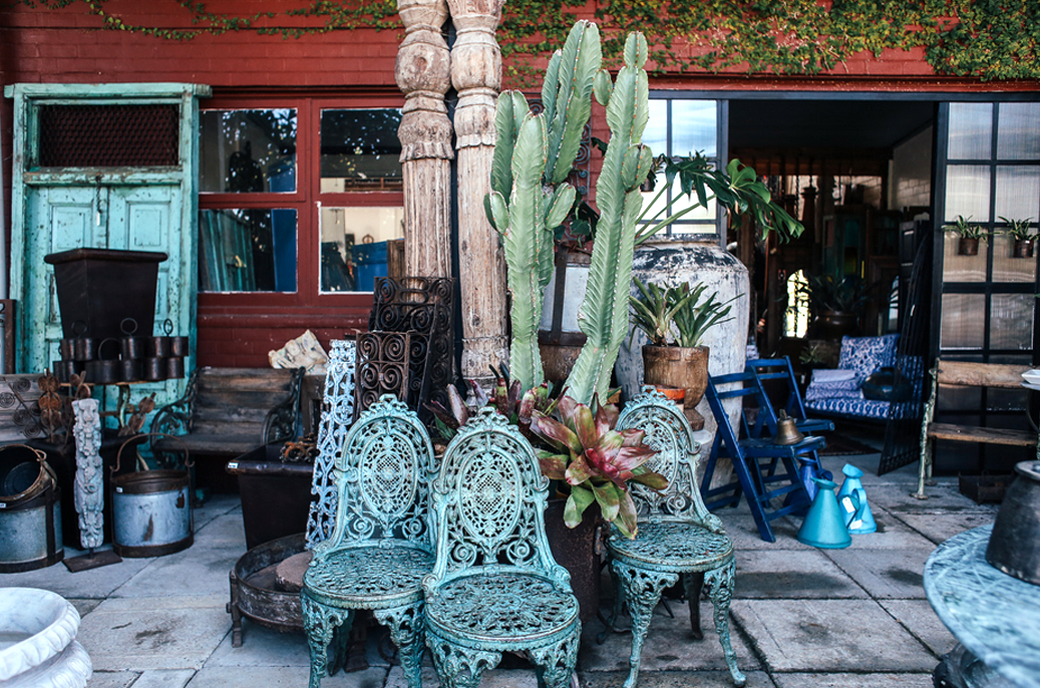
38	647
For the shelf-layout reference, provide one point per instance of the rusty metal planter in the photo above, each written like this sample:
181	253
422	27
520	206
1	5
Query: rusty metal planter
253	593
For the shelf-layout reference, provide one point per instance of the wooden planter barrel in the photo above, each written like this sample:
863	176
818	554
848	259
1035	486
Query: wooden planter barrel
677	366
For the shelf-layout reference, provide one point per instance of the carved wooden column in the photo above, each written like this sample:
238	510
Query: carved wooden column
423	74
476	73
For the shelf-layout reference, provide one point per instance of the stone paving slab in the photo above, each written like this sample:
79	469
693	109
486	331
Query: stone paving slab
216	505
90	584
83	606
672	679
830	635
854	680
165	678
742	530
282	677
768	574
944	498
941	527
225	529
668	645
202	569
138	634
496	678
262	647
891	533
920	619
112	679
885	573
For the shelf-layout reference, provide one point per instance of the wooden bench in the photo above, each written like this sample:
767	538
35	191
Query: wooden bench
968	374
230	411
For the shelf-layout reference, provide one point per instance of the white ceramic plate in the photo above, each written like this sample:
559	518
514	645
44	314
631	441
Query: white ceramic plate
1032	376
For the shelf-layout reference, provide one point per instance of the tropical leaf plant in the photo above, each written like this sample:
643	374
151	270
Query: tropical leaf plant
693	318
965	229
1020	229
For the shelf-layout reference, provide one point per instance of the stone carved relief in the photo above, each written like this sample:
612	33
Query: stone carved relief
88	486
336	419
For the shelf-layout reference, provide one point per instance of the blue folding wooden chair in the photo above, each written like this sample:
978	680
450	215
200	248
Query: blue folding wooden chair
779	369
764	471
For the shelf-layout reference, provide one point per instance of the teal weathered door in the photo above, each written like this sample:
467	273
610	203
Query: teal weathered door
95	190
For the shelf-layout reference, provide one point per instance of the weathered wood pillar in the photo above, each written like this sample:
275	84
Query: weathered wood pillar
423	74
476	73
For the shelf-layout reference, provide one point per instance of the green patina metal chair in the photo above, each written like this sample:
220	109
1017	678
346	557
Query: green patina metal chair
382	542
495	587
677	535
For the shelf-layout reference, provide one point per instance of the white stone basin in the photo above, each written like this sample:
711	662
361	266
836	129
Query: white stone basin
38	645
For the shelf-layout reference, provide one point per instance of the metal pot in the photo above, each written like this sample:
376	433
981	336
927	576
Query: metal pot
154	368
1014	545
67	349
178	347
30	510
130	346
158	347
129	370
174	368
103	371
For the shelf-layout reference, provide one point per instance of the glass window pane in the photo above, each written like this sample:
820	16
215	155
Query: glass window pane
656	133
958	268
247	151
1008	268
961	315
971	131
360	150
694	127
354	245
1018	135
1018	192
247	249
1011	321
967	192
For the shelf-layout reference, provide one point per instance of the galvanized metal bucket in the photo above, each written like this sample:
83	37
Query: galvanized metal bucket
30	510
151	510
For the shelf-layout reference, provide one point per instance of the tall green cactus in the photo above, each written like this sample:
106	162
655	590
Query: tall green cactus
529	198
603	316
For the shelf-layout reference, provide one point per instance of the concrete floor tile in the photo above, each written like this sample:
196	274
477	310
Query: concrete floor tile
139	634
942	498
920	619
742	530
830	635
84	606
768	574
668	645
92	583
673	679
165	678
891	534
496	678
885	573
262	647
941	527
222	530
199	570
112	679
853	680
282	677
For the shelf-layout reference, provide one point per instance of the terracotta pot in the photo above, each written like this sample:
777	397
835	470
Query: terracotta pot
677	366
1023	248
676	394
968	247
575	550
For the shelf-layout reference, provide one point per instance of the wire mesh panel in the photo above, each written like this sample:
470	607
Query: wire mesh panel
109	135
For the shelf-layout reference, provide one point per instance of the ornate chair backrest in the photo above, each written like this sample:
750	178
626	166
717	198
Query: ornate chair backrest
489	502
668	433
382	476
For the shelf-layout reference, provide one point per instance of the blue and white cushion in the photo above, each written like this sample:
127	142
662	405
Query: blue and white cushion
865	355
859	408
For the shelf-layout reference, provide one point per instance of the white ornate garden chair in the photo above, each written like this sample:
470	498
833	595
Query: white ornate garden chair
382	542
495	586
677	535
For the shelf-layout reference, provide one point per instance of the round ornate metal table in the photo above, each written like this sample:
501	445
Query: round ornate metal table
996	617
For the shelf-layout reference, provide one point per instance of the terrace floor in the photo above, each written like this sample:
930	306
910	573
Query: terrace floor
801	617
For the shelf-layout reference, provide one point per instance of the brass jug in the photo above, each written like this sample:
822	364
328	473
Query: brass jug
786	430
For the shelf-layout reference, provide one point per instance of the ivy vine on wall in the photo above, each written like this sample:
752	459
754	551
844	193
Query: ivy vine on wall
988	39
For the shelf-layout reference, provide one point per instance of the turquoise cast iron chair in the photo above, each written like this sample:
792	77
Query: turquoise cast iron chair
677	535
495	586
382	542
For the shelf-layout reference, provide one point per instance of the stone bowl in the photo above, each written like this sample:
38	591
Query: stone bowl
38	645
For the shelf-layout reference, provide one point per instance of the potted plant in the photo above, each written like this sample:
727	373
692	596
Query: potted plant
674	320
970	235
1025	238
836	305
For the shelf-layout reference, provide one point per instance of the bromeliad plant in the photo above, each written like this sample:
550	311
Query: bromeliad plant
676	315
595	461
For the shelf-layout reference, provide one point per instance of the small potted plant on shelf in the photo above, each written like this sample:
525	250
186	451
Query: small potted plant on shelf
1025	238
675	319
836	305
970	235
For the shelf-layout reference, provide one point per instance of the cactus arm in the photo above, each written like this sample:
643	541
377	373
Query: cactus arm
528	250
569	92
603	316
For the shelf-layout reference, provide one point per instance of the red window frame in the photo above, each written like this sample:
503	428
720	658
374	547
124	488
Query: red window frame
307	200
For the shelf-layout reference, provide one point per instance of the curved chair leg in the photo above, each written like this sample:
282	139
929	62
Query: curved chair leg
555	663
406	630
321	623
720	590
642	593
459	667
693	583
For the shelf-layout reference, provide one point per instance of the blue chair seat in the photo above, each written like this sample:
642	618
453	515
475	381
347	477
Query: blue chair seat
501	609
369	577
673	545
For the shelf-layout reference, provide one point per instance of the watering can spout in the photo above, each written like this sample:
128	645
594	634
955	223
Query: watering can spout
859	519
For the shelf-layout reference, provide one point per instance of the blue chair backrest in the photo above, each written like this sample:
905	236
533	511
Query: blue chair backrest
775	369
383	476
489	502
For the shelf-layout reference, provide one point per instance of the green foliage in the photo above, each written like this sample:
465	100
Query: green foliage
677	315
847	295
1019	229
695	317
963	228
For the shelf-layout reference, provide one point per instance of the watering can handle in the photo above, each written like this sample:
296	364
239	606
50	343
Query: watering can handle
119	456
